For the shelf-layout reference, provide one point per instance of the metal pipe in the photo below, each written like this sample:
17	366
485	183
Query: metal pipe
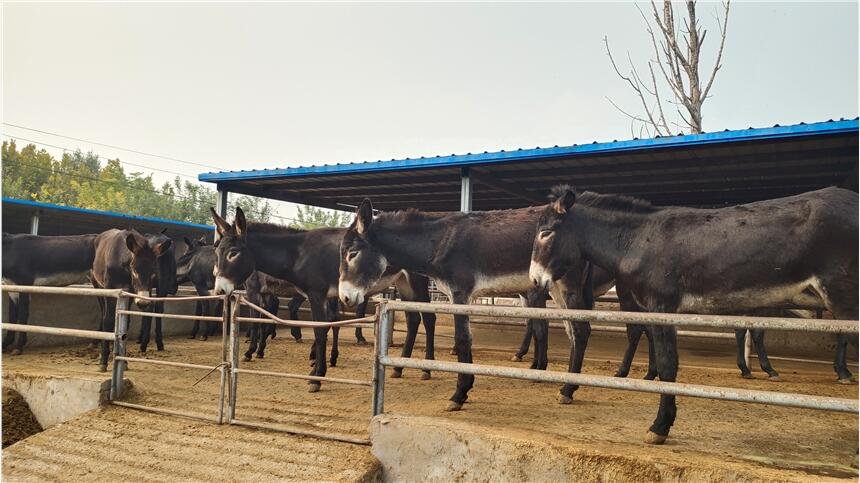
293	323
795	359
225	315
170	412
120	332
234	360
606	328
40	329
643	318
444	336
167	363
189	298
304	432
207	318
288	375
747	347
94	292
34	223
465	191
386	320
675	388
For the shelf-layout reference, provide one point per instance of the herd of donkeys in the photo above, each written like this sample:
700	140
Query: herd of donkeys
796	254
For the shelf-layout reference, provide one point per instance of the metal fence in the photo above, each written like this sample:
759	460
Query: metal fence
386	321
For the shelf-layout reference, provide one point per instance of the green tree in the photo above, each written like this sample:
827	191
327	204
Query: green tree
309	217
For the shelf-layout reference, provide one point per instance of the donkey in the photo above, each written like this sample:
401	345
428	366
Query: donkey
196	266
798	250
124	259
468	255
264	290
166	285
54	261
307	259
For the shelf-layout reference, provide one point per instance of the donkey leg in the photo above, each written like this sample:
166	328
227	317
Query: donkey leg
198	311
429	349
463	346
359	337
524	346
9	338
652	355
263	334
740	334
145	328
581	333
412	322
108	321
666	343
331	315
159	335
294	306
634	333
23	317
840	363
318	310
253	334
764	362
540	329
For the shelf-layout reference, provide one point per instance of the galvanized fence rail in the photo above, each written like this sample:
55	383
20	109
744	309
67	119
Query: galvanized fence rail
235	370
386	321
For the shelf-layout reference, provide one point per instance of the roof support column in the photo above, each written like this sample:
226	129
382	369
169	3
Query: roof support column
34	223
465	191
221	207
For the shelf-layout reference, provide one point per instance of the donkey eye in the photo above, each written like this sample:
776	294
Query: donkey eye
232	254
545	233
351	255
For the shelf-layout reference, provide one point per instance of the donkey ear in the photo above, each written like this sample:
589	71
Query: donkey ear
220	223
188	242
363	216
162	247
563	204
133	243
202	241
240	224
164	230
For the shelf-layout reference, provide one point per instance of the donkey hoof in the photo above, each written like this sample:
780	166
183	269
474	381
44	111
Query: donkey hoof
847	381
747	375
314	387
453	352
454	406
620	374
299	341
159	348
562	399
654	438
247	358
516	359
425	376
204	338
15	352
259	356
397	374
103	368
774	378
192	337
361	342
332	363
650	376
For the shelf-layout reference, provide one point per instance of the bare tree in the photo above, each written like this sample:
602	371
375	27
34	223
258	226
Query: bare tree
678	68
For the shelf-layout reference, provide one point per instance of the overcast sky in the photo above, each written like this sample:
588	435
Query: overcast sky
273	85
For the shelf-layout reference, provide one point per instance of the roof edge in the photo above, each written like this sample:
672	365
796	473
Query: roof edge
112	214
750	134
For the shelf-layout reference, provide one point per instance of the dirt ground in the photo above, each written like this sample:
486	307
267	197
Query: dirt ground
767	441
18	420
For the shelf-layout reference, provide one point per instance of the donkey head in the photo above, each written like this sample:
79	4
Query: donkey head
144	263
555	253
166	260
234	261
362	265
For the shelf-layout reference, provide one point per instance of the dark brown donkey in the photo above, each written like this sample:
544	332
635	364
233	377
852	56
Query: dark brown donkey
799	250
53	261
307	259
125	260
467	254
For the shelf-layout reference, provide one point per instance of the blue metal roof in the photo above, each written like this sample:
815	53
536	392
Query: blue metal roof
707	169
485	158
126	218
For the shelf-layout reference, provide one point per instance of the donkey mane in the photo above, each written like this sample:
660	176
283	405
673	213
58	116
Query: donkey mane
260	227
604	201
404	216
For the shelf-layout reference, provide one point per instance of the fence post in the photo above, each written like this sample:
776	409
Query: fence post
234	358
747	347
225	339
120	330
384	322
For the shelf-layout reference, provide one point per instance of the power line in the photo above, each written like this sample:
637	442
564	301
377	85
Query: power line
114	147
101	157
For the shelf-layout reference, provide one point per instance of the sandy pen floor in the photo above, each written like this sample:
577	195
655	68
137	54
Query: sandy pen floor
763	439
